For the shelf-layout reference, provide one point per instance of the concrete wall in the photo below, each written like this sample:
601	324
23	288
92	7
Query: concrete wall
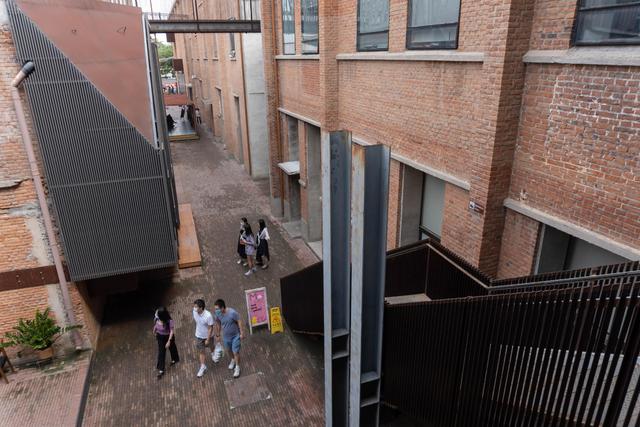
256	104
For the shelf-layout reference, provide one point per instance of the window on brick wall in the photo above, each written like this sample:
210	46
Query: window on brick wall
607	22
373	25
309	26
432	207
220	105
288	28
433	24
558	251
232	45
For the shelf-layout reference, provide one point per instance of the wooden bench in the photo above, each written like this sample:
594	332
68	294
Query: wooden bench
4	360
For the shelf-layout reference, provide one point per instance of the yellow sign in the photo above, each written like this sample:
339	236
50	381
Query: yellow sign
276	320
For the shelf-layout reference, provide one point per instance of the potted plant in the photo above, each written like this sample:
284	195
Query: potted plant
38	333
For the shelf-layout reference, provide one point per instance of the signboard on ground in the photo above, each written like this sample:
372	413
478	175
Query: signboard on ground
257	307
276	320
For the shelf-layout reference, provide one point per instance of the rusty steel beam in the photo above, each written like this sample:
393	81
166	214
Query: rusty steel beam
29	277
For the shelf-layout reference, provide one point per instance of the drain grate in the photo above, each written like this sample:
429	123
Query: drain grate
246	390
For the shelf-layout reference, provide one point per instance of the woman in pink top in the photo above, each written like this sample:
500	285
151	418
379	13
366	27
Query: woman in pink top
163	329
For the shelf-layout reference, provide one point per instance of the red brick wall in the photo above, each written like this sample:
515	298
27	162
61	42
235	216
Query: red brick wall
578	152
300	88
519	244
423	111
569	128
552	24
456	221
22	240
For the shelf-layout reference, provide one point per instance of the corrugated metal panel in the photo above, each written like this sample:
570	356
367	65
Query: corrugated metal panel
105	179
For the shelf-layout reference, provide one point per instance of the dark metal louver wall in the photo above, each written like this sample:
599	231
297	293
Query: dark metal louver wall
105	179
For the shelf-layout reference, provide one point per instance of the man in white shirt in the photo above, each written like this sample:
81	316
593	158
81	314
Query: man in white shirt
204	330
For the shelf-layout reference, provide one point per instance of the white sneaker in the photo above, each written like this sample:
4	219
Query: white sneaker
236	371
239	262
232	364
201	371
248	273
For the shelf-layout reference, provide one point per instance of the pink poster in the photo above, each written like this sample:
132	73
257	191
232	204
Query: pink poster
257	307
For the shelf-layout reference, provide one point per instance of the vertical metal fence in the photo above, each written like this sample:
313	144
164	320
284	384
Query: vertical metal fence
565	354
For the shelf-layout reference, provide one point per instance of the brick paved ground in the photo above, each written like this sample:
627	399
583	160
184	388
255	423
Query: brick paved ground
124	390
49	395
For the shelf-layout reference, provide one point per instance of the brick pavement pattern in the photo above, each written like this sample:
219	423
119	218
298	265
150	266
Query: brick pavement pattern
50	395
124	389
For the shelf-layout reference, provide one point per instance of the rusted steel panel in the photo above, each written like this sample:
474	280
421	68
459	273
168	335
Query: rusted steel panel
29	277
105	42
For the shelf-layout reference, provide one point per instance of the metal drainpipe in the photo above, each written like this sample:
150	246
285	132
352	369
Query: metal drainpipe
26	70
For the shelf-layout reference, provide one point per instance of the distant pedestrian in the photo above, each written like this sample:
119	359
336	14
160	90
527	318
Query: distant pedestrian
262	255
198	118
241	250
170	122
228	321
164	330
182	110
204	330
249	242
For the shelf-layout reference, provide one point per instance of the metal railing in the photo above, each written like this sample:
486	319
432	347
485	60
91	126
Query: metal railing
566	354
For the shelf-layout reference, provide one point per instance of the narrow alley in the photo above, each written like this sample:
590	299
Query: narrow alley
288	366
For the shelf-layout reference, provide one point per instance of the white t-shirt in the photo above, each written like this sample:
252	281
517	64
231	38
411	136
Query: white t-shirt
203	321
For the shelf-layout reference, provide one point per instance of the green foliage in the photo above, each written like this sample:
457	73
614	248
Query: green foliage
165	54
39	333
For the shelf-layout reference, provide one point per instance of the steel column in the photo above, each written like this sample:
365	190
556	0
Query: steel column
370	183
336	163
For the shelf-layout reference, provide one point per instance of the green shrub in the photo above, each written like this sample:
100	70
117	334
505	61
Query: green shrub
39	333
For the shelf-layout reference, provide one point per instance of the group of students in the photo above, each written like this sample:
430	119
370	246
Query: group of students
217	333
253	250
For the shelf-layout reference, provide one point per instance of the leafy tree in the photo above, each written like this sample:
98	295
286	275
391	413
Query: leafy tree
165	56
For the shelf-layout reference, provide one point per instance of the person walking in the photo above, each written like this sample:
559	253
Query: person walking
198	118
163	329
241	250
262	255
228	323
249	243
182	110
204	330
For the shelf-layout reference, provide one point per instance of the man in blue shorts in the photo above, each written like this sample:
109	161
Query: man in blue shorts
228	321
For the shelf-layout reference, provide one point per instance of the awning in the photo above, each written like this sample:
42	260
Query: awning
290	168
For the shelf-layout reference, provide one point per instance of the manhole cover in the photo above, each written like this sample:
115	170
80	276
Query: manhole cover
246	389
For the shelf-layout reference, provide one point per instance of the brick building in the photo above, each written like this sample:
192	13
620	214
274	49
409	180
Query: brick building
224	78
513	126
28	279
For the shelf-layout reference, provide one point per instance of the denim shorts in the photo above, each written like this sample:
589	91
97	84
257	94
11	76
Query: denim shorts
233	343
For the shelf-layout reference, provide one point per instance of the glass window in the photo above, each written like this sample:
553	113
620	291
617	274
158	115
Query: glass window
608	22
560	251
288	28
373	24
232	45
432	207
433	24
309	26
